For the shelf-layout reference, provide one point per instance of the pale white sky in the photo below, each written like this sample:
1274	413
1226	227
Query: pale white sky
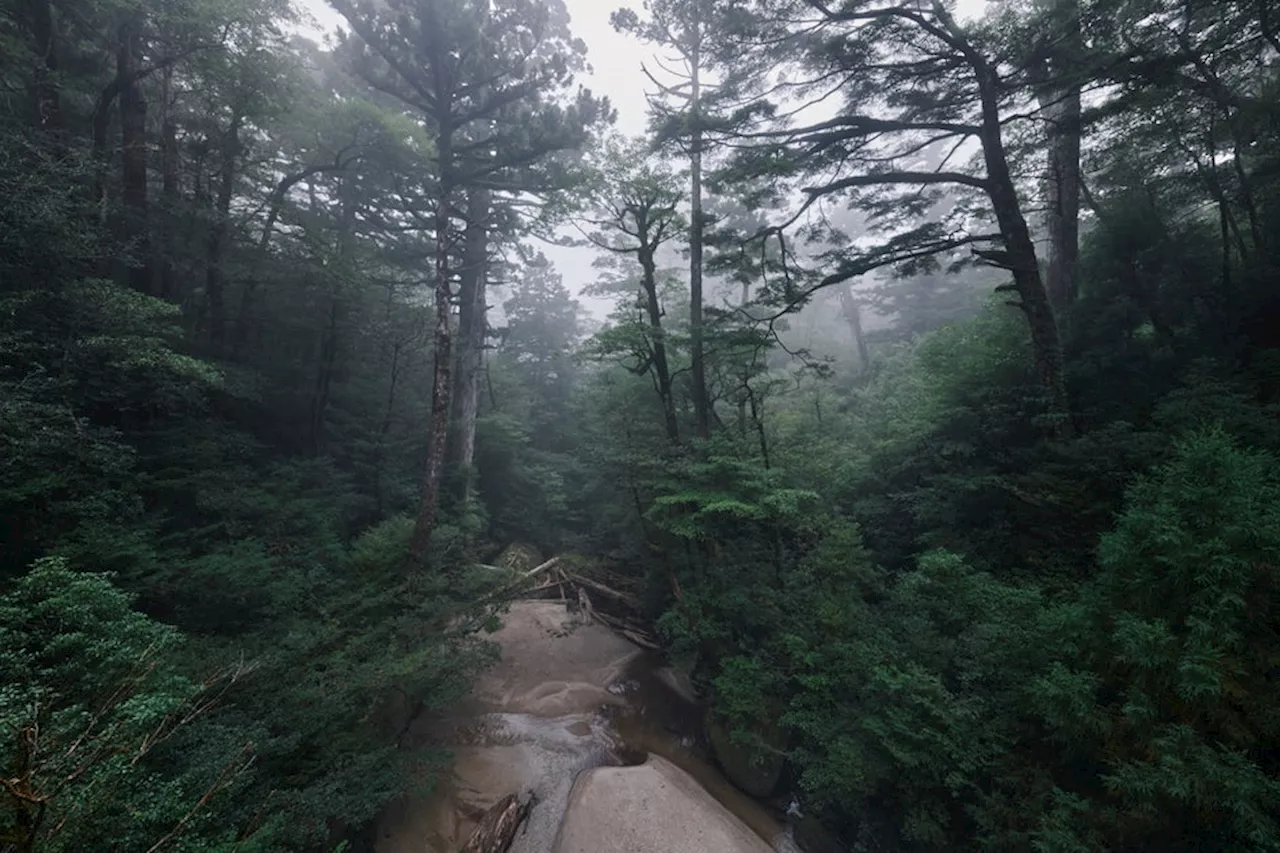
615	61
615	71
615	58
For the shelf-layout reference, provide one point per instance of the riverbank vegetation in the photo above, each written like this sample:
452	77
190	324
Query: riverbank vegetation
934	420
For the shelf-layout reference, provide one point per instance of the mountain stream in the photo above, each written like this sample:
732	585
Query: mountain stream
570	696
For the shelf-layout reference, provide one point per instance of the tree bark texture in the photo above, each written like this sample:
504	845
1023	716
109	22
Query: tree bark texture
133	157
1020	258
170	188
1060	101
662	370
701	399
853	316
1062	219
442	373
472	326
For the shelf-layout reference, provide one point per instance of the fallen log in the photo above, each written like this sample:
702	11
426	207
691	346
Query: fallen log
640	640
631	632
539	569
596	586
498	827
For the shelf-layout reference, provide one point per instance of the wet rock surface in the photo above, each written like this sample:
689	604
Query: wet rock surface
654	807
573	700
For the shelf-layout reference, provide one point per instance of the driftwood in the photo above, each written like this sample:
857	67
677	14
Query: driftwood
498	827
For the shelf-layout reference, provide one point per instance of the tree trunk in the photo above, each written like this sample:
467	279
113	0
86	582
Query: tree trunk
46	96
472	326
661	368
384	429
169	187
1021	259
1061	105
1247	196
324	377
101	121
133	159
215	278
441	380
330	335
853	316
1062	219
701	400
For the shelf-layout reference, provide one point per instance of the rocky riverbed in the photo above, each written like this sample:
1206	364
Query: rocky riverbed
601	737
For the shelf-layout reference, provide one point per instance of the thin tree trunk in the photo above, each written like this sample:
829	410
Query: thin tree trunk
441	380
701	401
330	336
385	427
1063	184
853	316
662	370
472	326
324	377
215	278
169	187
1224	236
1021	261
1020	252
47	97
1061	104
275	206
1247	197
757	418
133	160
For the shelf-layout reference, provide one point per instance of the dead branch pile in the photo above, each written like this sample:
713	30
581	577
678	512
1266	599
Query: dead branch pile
622	614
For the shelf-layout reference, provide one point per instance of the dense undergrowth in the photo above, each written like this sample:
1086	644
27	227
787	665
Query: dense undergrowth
960	599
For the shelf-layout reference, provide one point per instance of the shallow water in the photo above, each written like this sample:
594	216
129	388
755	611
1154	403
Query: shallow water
657	719
524	743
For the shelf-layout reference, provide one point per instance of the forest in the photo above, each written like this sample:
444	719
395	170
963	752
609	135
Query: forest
933	418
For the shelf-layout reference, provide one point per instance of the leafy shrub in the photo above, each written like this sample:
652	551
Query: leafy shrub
384	548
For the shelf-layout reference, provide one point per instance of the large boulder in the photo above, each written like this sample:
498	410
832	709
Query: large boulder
653	807
754	765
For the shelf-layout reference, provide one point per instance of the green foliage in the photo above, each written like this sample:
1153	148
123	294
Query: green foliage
90	696
1185	656
383	548
968	627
